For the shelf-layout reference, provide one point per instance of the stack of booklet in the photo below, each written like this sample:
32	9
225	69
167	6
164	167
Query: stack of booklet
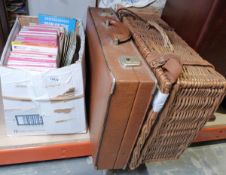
36	48
44	46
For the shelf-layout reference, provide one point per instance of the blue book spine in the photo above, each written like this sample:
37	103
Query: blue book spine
68	23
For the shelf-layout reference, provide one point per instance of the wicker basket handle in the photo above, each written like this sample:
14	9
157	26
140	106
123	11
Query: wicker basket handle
126	12
166	40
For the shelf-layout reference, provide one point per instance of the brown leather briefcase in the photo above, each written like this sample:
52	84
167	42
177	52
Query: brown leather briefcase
121	88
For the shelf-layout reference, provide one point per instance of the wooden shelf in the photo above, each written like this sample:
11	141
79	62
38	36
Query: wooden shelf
215	130
44	152
21	149
25	141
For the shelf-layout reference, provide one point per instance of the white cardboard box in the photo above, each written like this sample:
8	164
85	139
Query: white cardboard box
43	103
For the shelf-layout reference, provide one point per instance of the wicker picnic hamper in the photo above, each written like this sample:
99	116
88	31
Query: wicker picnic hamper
190	90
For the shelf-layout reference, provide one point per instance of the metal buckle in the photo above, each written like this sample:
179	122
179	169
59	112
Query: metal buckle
129	61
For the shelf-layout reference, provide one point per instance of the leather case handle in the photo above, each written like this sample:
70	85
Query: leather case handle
118	31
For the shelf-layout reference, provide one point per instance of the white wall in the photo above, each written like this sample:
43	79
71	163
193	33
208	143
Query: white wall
159	4
132	3
67	8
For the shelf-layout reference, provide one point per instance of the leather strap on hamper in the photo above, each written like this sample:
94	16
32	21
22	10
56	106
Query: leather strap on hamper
170	64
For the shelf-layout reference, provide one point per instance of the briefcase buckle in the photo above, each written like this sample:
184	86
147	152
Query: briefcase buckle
129	61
